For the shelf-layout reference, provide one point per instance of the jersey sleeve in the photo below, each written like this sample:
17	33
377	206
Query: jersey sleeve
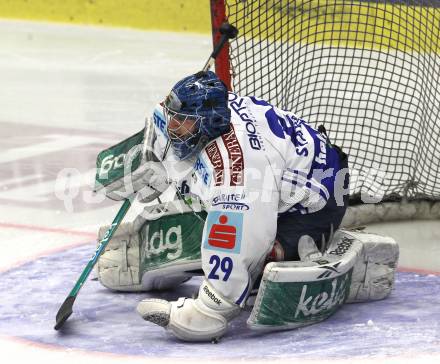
308	179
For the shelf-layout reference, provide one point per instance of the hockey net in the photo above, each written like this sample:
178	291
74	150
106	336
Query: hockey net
368	70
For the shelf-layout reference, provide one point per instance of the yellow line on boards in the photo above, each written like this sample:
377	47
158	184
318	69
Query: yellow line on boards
168	15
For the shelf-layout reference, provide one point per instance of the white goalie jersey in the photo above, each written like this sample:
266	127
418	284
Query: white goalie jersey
270	162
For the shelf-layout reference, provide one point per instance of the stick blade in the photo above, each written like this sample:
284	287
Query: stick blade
64	312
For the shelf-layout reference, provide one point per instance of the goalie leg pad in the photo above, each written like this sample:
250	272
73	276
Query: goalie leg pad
295	294
374	271
356	267
152	253
118	266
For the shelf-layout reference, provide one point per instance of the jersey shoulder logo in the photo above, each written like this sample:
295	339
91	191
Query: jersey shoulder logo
202	169
235	155
160	123
215	157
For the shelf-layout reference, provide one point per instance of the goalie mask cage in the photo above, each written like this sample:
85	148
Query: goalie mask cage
368	70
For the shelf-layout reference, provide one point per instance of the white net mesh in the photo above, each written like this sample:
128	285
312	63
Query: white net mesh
369	71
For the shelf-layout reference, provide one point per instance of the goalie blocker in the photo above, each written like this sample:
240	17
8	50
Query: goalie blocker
162	250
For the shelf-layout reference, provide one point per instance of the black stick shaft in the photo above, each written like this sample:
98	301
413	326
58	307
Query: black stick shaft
228	32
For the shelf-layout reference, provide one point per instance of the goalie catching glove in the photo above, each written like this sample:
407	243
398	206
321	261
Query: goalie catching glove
131	167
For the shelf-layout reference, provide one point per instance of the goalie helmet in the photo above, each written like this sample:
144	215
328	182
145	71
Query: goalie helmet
197	112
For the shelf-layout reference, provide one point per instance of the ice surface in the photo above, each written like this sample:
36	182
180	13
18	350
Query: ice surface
68	92
106	321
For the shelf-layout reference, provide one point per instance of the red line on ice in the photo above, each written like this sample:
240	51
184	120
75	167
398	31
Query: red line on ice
46	229
418	270
42	253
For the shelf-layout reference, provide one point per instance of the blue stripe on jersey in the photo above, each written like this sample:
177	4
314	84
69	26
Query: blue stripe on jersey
323	160
243	295
299	178
298	207
331	160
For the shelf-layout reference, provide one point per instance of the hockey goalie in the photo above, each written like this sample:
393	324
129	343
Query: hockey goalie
259	198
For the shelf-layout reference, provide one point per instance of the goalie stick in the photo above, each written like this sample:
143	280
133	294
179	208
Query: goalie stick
66	308
65	311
